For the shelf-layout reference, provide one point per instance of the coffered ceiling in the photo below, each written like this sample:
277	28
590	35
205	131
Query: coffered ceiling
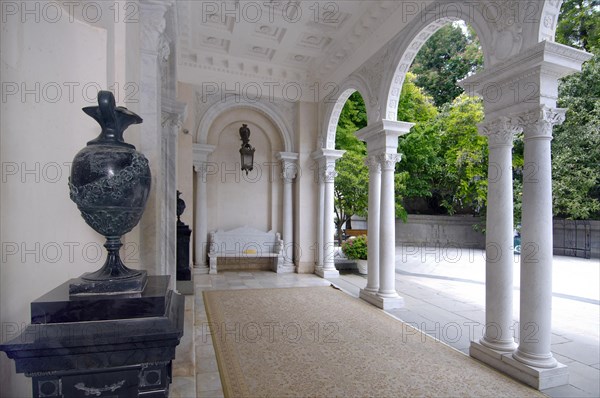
281	40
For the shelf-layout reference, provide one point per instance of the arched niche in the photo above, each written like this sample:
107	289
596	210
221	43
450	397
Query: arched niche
235	198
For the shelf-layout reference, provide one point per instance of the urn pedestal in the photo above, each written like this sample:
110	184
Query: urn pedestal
100	346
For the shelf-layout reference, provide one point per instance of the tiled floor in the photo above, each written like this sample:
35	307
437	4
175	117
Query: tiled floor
448	308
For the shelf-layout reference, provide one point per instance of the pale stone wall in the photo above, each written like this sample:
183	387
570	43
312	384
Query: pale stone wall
441	231
45	241
306	189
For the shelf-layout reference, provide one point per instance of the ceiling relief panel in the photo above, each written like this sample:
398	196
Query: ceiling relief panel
300	42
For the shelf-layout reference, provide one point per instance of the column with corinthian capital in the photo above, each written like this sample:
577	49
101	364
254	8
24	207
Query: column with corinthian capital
382	144
289	170
201	167
326	159
536	239
498	332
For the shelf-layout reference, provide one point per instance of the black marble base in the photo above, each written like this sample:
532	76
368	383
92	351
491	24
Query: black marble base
184	273
58	306
79	347
81	286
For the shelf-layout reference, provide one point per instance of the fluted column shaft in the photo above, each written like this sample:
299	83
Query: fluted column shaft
498	333
387	227
373	224
536	239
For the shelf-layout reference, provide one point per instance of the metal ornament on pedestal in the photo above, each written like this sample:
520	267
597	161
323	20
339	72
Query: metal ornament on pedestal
110	183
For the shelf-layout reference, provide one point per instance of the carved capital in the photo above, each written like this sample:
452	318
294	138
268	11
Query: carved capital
373	164
288	172
327	172
500	131
538	123
171	121
388	160
201	169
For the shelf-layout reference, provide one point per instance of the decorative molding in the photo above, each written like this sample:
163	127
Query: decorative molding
549	19
401	68
271	111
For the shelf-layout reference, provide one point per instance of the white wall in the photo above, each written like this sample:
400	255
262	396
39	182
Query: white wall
62	61
43	131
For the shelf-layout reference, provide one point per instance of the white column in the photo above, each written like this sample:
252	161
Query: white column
498	333
321	222
382	144
289	170
373	225
536	239
200	230
326	159
387	227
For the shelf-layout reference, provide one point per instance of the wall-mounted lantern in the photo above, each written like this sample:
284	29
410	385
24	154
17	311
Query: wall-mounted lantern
246	151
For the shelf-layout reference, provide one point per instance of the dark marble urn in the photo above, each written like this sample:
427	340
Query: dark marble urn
110	183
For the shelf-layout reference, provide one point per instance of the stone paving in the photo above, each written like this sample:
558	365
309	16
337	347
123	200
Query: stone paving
444	297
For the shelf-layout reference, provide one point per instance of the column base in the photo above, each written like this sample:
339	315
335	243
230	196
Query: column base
200	269
538	378
285	269
385	303
327	273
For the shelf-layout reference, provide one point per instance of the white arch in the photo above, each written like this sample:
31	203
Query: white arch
234	102
334	108
429	22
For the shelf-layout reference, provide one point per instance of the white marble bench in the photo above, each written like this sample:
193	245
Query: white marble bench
246	243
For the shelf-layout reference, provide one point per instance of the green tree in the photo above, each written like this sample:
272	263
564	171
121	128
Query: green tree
448	56
576	146
352	118
579	24
351	189
465	156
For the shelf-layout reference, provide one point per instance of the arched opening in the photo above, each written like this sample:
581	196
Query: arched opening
351	183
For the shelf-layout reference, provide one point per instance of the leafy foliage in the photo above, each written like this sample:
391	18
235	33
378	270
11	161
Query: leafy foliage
576	146
356	248
352	118
446	159
351	189
579	24
446	57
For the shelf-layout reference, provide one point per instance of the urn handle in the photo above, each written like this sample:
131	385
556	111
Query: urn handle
113	120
